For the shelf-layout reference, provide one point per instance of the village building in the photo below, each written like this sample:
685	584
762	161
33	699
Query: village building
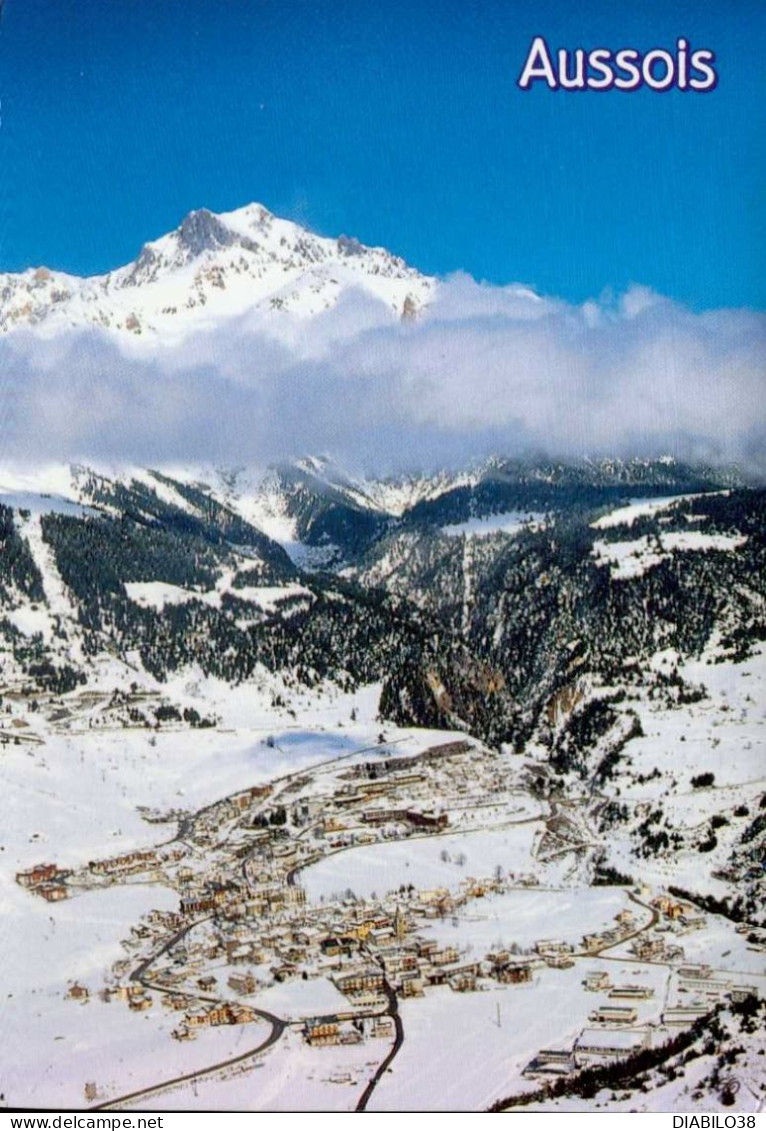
600	1046
139	1003
514	973
37	875
243	983
614	1015
596	981
551	1062
53	893
631	991
382	1027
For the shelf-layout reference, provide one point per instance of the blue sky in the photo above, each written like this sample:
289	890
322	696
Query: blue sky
399	123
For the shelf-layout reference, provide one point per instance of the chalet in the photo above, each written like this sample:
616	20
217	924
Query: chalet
559	961
668	907
322	1031
53	893
77	992
196	905
395	961
230	1013
411	984
243	983
648	948
335	945
742	993
463	982
424	820
196	1019
37	875
447	954
514	973
693	972
553	946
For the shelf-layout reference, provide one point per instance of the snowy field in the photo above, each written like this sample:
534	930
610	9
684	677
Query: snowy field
642	508
511	522
51	1045
426	862
290	1076
458	1056
632	559
724	734
526	916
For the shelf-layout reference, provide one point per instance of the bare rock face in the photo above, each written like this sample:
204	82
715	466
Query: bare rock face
202	231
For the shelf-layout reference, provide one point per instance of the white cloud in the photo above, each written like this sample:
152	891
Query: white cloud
485	369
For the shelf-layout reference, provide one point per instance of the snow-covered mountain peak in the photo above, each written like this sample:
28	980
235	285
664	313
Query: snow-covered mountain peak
213	267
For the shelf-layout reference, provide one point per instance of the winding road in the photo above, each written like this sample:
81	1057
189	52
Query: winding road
393	1011
278	1026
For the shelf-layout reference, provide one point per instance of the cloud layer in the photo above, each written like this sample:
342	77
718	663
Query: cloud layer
484	370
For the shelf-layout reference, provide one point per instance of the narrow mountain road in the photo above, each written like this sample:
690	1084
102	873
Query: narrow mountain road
278	1027
393	1011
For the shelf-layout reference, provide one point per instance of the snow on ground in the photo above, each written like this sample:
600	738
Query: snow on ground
290	1076
38	489
295	1000
76	798
158	594
724	734
456	1057
530	915
420	861
268	597
510	522
631	559
43	504
30	620
52	1046
641	508
56	592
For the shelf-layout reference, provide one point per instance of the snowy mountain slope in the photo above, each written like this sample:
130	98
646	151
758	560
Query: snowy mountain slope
213	268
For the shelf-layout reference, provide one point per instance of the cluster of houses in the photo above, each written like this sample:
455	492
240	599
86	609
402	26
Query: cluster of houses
201	1016
686	916
338	1029
243	922
625	925
46	880
656	948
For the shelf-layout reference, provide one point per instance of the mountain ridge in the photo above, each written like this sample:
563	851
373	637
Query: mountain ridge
211	267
